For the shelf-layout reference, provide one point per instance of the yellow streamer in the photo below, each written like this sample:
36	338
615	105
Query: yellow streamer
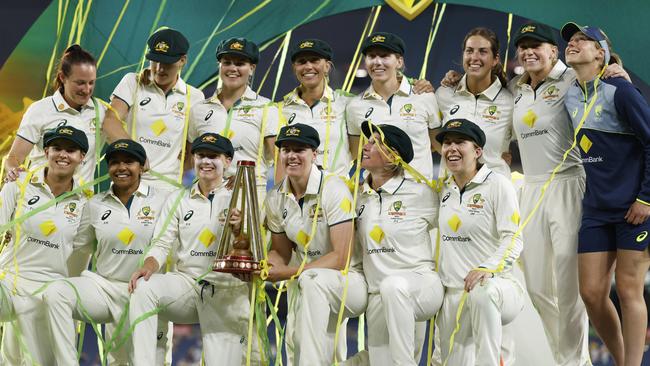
110	36
432	37
505	58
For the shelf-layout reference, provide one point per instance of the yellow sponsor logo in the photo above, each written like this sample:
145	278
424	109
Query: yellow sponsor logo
236	46
528	29
122	145
641	237
307	44
378	38
209	139
162	47
293	131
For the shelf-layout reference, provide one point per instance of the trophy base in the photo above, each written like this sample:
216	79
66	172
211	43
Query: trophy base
235	264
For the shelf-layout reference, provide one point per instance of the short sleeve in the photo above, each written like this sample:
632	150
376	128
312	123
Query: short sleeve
352	123
274	212
272	120
31	127
336	201
433	117
8	200
125	89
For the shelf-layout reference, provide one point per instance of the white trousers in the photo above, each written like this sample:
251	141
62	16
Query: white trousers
404	302
26	339
550	262
317	303
487	308
222	313
91	298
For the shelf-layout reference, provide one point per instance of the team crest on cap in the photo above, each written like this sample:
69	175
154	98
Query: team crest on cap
454	124
211	139
162	46
121	145
378	38
293	131
528	29
65	131
236	46
306	44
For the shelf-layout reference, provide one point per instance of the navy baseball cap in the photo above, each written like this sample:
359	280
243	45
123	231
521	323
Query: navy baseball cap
593	33
393	137
213	142
241	47
314	45
167	46
385	40
128	147
298	132
537	31
463	127
69	133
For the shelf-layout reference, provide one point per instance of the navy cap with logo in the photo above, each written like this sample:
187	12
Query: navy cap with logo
69	133
126	146
463	127
385	40
593	33
240	47
313	45
213	142
537	31
300	133
167	46
393	137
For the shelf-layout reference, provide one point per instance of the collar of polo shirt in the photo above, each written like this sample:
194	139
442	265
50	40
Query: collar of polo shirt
294	98
58	100
479	178
179	87
196	191
249	94
404	90
556	72
391	186
314	184
143	191
38	179
491	92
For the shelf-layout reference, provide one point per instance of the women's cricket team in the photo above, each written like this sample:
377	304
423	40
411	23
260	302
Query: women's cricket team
153	242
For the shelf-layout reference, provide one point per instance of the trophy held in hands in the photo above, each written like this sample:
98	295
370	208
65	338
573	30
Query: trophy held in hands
242	255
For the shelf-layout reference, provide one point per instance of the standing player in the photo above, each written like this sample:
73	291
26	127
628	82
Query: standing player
121	220
478	223
395	216
392	101
192	293
235	111
156	105
310	213
72	104
481	96
612	123
41	245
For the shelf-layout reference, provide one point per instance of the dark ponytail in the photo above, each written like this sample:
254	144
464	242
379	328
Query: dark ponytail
497	70
73	55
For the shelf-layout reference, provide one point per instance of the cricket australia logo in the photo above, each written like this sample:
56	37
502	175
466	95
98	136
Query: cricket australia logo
397	212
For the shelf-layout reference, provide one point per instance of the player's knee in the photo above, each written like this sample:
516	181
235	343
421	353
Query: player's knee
311	280
629	288
483	296
392	286
59	292
593	294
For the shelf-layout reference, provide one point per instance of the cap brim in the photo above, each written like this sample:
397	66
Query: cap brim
440	137
569	29
384	46
236	53
49	142
163	59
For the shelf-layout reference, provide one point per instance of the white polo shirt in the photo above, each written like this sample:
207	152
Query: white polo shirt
491	110
122	233
192	235
245	127
46	239
393	225
542	124
294	218
476	226
53	111
327	116
415	114
159	122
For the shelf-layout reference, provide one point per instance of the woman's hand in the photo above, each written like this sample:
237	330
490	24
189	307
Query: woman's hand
142	272
638	213
616	71
451	79
234	220
475	276
422	86
278	271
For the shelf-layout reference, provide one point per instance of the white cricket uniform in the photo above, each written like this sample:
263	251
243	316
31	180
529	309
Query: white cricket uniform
53	111
327	117
253	118
45	242
317	296
491	110
158	122
415	114
193	293
393	227
545	132
477	225
123	234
